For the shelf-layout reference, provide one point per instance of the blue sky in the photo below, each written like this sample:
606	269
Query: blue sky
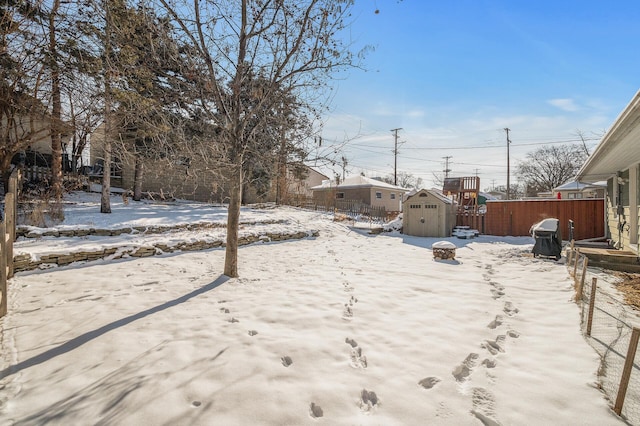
454	74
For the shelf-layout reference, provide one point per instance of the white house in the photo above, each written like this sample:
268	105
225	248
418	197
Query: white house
616	160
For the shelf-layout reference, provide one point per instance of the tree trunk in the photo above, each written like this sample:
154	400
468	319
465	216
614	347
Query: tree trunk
233	221
5	171
105	201
137	179
56	110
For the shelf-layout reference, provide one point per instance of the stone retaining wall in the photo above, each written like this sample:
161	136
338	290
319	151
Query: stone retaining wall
24	262
27	233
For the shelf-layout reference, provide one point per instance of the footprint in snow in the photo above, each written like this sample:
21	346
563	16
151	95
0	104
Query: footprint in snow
497	322
368	400
347	314
483	404
489	363
509	309
357	359
495	346
464	369
514	334
315	411
429	382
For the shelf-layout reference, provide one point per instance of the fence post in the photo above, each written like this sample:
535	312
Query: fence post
592	304
570	256
10	230
570	252
3	271
626	372
575	265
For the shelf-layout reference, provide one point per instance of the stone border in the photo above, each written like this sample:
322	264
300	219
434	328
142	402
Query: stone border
83	232
24	262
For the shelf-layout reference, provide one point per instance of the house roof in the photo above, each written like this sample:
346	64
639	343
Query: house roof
617	150
579	186
311	169
436	194
357	182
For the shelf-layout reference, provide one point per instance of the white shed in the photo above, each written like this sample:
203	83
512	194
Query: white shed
428	213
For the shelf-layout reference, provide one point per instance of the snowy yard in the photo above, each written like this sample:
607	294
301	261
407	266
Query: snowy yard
342	329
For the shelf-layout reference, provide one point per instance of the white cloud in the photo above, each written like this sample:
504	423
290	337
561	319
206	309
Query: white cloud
564	104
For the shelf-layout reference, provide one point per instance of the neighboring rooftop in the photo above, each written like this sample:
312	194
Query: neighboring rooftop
358	182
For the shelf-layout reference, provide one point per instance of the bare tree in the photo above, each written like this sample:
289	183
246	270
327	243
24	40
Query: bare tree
550	166
516	190
293	46
405	180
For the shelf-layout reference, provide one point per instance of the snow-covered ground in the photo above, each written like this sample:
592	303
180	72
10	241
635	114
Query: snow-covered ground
343	329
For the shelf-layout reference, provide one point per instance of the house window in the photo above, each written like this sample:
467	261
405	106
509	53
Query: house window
339	195
379	195
393	196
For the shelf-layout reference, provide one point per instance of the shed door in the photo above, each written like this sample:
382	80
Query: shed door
424	220
431	220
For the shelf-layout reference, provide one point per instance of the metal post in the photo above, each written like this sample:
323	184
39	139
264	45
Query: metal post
592	304
626	372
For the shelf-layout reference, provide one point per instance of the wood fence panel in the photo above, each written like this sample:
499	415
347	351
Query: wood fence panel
10	231
515	218
472	220
3	270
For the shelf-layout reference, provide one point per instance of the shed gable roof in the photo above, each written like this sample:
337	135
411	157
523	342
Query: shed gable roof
427	192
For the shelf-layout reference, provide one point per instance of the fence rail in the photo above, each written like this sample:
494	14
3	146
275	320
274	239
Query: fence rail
36	173
607	323
7	237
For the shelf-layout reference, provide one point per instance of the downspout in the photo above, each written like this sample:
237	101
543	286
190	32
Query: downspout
619	210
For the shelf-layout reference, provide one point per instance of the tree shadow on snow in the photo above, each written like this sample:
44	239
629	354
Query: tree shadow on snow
93	334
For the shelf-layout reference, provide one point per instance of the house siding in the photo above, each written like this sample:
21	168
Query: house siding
364	195
196	182
298	187
386	201
623	210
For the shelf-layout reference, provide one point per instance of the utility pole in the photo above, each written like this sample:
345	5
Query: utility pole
476	170
507	130
395	155
446	166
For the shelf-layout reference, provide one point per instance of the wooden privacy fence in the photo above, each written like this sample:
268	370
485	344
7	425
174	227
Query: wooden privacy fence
472	219
7	237
514	218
